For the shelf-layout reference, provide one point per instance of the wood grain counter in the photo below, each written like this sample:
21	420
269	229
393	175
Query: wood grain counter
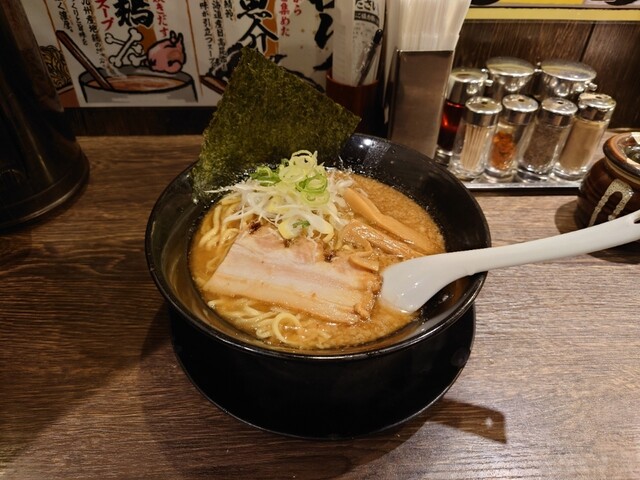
90	386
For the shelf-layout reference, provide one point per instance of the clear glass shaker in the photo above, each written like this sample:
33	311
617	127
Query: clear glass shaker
463	84
546	138
594	114
473	141
513	123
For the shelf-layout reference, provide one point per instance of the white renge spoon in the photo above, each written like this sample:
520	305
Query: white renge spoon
407	285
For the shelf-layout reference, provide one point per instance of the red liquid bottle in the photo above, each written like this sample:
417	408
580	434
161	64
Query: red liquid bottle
451	115
464	83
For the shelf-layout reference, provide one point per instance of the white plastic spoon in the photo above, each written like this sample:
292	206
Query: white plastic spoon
407	285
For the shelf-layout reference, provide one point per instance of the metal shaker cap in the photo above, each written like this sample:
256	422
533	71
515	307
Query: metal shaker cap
482	111
564	78
508	75
465	83
518	109
557	111
510	67
568	70
596	106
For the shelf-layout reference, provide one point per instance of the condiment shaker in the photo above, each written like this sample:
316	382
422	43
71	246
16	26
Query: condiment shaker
473	140
592	119
463	84
545	140
513	123
508	75
563	78
611	187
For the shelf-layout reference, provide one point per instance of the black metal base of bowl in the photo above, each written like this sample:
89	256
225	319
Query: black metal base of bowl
241	388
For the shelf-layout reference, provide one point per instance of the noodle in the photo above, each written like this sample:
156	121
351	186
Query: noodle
275	325
227	221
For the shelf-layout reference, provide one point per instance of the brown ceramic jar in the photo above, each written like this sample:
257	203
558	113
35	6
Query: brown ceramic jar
611	187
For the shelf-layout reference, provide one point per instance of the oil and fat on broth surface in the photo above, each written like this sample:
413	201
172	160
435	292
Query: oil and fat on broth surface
293	256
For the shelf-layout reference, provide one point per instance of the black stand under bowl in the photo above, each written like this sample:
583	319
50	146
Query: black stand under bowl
216	373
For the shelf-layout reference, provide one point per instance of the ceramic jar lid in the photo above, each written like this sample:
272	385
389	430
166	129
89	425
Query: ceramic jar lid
623	151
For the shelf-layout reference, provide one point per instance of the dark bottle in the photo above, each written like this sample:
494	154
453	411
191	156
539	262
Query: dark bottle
463	84
41	164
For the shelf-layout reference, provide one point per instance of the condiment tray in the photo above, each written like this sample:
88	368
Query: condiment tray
551	185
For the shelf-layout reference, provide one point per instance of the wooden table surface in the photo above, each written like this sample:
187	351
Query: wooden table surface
90	386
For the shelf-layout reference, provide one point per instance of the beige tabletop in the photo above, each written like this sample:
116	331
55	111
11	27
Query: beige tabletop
90	386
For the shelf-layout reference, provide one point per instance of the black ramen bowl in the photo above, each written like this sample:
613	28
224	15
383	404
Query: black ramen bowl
339	393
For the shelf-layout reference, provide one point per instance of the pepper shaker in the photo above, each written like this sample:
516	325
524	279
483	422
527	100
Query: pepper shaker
594	114
473	140
463	84
546	138
507	142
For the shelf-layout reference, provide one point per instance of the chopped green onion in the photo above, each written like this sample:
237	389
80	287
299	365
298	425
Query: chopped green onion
298	197
316	198
265	176
316	184
301	224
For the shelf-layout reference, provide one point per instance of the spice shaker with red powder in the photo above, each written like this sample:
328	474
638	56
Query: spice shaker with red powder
515	119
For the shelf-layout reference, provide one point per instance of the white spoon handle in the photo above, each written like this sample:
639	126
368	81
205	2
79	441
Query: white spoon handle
408	285
599	237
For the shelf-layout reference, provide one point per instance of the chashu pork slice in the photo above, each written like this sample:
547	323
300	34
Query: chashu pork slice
261	266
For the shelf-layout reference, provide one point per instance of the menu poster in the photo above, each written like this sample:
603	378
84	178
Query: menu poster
107	53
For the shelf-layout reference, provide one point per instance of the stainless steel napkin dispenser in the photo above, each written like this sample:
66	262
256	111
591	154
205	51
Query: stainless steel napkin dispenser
415	96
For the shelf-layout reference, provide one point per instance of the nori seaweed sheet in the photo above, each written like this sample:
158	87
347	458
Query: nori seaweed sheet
265	114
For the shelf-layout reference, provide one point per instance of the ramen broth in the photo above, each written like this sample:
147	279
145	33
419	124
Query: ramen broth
140	83
276	324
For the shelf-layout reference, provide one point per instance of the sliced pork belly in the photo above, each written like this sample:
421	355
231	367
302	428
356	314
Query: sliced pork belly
296	276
